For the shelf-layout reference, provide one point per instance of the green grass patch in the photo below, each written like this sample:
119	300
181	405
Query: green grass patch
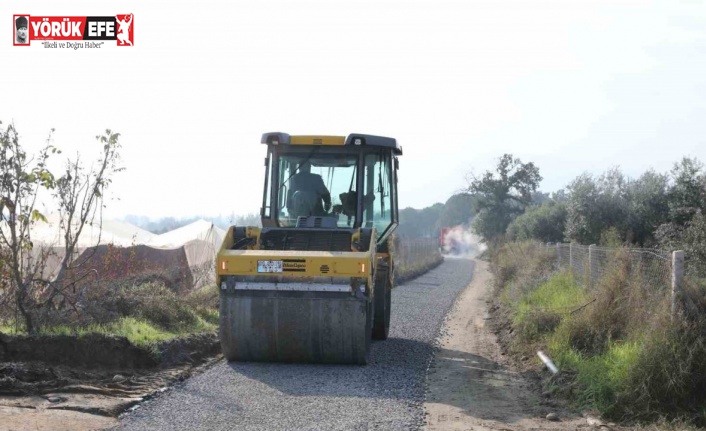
601	377
560	292
148	315
11	328
209	316
140	332
541	310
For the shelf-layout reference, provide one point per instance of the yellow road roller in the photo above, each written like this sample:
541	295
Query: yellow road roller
313	284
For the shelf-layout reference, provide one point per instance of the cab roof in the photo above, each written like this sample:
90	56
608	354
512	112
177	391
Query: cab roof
279	138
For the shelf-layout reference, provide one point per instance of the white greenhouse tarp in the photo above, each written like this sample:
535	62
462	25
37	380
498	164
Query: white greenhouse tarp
199	240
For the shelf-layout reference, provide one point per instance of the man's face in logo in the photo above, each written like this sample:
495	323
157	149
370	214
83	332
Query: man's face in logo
22	33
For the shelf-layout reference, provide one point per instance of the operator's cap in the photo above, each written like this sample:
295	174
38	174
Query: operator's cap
21	22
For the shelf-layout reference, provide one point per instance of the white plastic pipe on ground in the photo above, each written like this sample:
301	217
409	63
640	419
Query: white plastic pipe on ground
548	362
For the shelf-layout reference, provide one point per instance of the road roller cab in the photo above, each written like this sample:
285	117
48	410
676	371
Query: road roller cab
313	284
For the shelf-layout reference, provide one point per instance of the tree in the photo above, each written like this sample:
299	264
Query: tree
560	196
691	238
458	210
545	223
538	198
416	223
250	219
648	207
80	195
686	200
687	195
503	195
595	205
632	209
22	178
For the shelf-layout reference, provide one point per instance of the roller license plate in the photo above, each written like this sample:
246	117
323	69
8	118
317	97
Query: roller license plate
269	266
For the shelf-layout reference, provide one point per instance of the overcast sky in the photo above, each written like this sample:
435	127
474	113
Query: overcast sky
573	86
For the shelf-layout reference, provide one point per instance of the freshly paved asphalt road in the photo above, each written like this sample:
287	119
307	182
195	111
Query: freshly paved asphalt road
387	394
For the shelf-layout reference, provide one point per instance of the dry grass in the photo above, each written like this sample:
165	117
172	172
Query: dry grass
632	360
143	312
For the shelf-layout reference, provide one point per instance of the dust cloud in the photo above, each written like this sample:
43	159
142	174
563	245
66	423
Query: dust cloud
461	242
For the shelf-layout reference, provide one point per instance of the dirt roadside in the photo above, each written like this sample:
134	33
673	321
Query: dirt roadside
69	383
472	386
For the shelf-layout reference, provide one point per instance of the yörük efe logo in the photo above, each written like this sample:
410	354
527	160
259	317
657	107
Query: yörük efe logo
73	31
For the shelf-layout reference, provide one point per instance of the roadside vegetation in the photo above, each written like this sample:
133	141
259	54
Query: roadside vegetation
147	312
620	347
144	307
144	313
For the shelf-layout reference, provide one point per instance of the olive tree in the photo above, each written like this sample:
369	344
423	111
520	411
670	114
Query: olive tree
545	222
687	194
596	204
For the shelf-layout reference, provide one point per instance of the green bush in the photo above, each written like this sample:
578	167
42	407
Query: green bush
545	223
205	302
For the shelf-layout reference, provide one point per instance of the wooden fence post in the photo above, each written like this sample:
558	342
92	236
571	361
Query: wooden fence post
677	280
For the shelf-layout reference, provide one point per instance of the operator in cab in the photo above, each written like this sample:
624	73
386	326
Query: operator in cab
308	195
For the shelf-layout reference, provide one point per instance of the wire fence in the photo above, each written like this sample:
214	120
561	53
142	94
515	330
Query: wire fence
657	271
590	263
413	252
